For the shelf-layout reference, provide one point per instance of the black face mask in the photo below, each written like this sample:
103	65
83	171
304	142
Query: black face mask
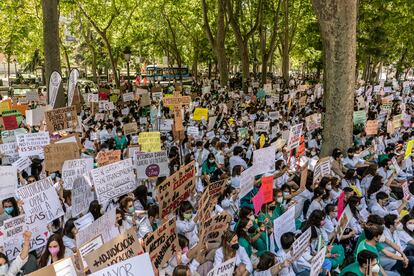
235	246
120	222
251	230
272	208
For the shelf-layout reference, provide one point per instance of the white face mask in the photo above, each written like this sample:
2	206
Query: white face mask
329	187
399	226
279	199
382	238
4	269
375	268
410	227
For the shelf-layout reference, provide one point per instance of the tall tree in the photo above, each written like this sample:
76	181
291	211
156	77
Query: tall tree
217	42
51	43
337	22
235	12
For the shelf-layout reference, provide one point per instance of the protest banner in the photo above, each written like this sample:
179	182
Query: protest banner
9	149
150	141
113	180
156	96
247	181
34	117
13	234
84	221
64	118
176	100
211	122
397	121
262	127
104	225
409	149
71	138
258	201
54	83
300	245
371	127
200	114
213	228
120	248
130	128
317	262
295	133
225	269
8	136
264	159
73	79
81	196
127	97
175	189
322	168
360	117
108	157
208	200
283	224
343	222
145	99
151	164
135	266
397	167
406	190
72	169
8	182
193	131
57	154
22	163
40	198
162	243
10	122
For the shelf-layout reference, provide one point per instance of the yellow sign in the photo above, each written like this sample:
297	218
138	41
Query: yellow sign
5	106
150	141
409	149
262	140
200	113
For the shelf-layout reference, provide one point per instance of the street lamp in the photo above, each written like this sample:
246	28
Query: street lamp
127	55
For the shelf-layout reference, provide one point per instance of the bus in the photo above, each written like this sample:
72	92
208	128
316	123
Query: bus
156	72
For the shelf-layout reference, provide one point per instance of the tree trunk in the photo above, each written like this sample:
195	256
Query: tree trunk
67	60
95	75
337	21
51	44
195	62
244	55
399	64
112	60
285	57
8	66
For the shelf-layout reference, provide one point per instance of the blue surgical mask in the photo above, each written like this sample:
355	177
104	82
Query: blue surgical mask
9	210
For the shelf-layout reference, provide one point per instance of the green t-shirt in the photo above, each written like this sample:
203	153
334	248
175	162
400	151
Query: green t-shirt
354	268
374	249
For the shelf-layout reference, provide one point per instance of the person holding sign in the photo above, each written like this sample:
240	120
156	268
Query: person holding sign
13	268
230	248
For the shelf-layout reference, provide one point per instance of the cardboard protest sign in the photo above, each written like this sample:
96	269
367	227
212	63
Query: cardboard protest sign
264	159
113	180
145	99
166	125
225	269
262	127
397	121
72	138
81	196
322	168
57	154
371	127
151	164
213	228
108	157
300	245
343	222
135	266
360	117
64	118
13	234
150	141
22	163
72	169
130	128
127	97
64	267
176	100
40	199
162	243
295	133
93	98
283	224
120	248
208	200
105	226
88	247
175	189
317	262
200	114
8	182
